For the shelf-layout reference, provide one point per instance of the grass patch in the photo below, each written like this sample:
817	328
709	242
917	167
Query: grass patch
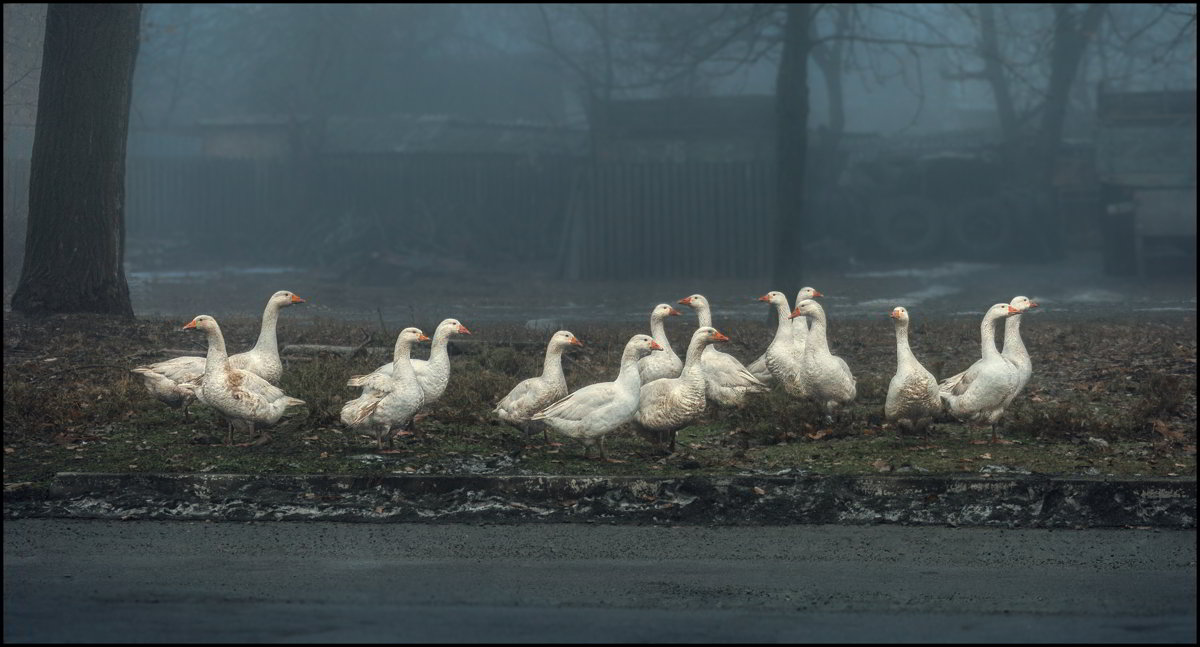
1105	398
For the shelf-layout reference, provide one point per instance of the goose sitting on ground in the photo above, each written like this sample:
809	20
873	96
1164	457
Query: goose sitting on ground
388	400
590	413
980	393
656	366
783	361
912	397
243	398
165	379
758	368
536	393
670	404
726	381
827	378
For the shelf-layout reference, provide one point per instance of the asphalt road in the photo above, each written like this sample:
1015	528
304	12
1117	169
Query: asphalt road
104	581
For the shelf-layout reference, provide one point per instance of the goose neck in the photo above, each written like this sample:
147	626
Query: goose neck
816	342
904	354
267	340
659	332
1013	344
552	364
987	334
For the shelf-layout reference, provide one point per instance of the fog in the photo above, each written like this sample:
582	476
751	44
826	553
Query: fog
551	162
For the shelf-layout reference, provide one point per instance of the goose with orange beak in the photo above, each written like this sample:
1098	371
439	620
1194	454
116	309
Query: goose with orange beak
591	413
388	401
726	382
665	406
980	393
656	366
799	325
912	397
536	393
244	399
827	378
173	382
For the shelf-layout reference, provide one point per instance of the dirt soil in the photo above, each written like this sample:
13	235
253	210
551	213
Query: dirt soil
1109	396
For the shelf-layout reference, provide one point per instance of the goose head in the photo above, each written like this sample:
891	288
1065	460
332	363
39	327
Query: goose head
642	345
284	298
808	293
900	314
708	335
774	298
806	308
452	327
1000	311
202	323
564	338
662	311
411	336
695	301
1023	303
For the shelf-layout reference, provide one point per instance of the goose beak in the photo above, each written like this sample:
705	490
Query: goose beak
575	342
674	313
893	315
654	345
462	330
1013	311
795	313
1033	304
817	293
296	299
717	336
765	297
687	301
190	324
423	337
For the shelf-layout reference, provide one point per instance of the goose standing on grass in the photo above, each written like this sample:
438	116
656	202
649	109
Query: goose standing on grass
912	397
433	374
980	393
665	406
590	413
536	393
726	381
166	380
827	377
1014	347
388	400
242	397
656	366
783	361
758	368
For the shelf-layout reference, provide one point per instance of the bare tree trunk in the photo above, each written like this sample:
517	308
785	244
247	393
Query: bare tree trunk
75	243
993	70
1072	31
791	101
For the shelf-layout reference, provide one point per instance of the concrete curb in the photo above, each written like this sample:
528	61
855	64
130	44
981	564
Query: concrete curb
1009	501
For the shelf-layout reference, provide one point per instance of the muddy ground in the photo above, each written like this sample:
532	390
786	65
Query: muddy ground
1112	393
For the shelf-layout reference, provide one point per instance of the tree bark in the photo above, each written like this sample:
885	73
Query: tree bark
75	242
791	103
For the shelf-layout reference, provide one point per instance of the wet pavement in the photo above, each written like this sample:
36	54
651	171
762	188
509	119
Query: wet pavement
112	581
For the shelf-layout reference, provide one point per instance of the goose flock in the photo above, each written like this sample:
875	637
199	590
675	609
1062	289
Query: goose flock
654	390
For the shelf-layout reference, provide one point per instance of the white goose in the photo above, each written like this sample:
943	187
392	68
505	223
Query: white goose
784	361
665	364
243	398
758	368
980	393
388	400
433	374
912	397
1014	347
827	378
536	393
174	381
670	404
592	412
726	381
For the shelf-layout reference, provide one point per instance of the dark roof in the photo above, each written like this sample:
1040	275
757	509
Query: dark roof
444	134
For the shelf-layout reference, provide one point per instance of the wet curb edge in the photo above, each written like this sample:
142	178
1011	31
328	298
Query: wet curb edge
1009	501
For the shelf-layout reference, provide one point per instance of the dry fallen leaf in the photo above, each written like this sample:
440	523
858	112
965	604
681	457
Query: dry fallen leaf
759	491
818	435
882	465
985	455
